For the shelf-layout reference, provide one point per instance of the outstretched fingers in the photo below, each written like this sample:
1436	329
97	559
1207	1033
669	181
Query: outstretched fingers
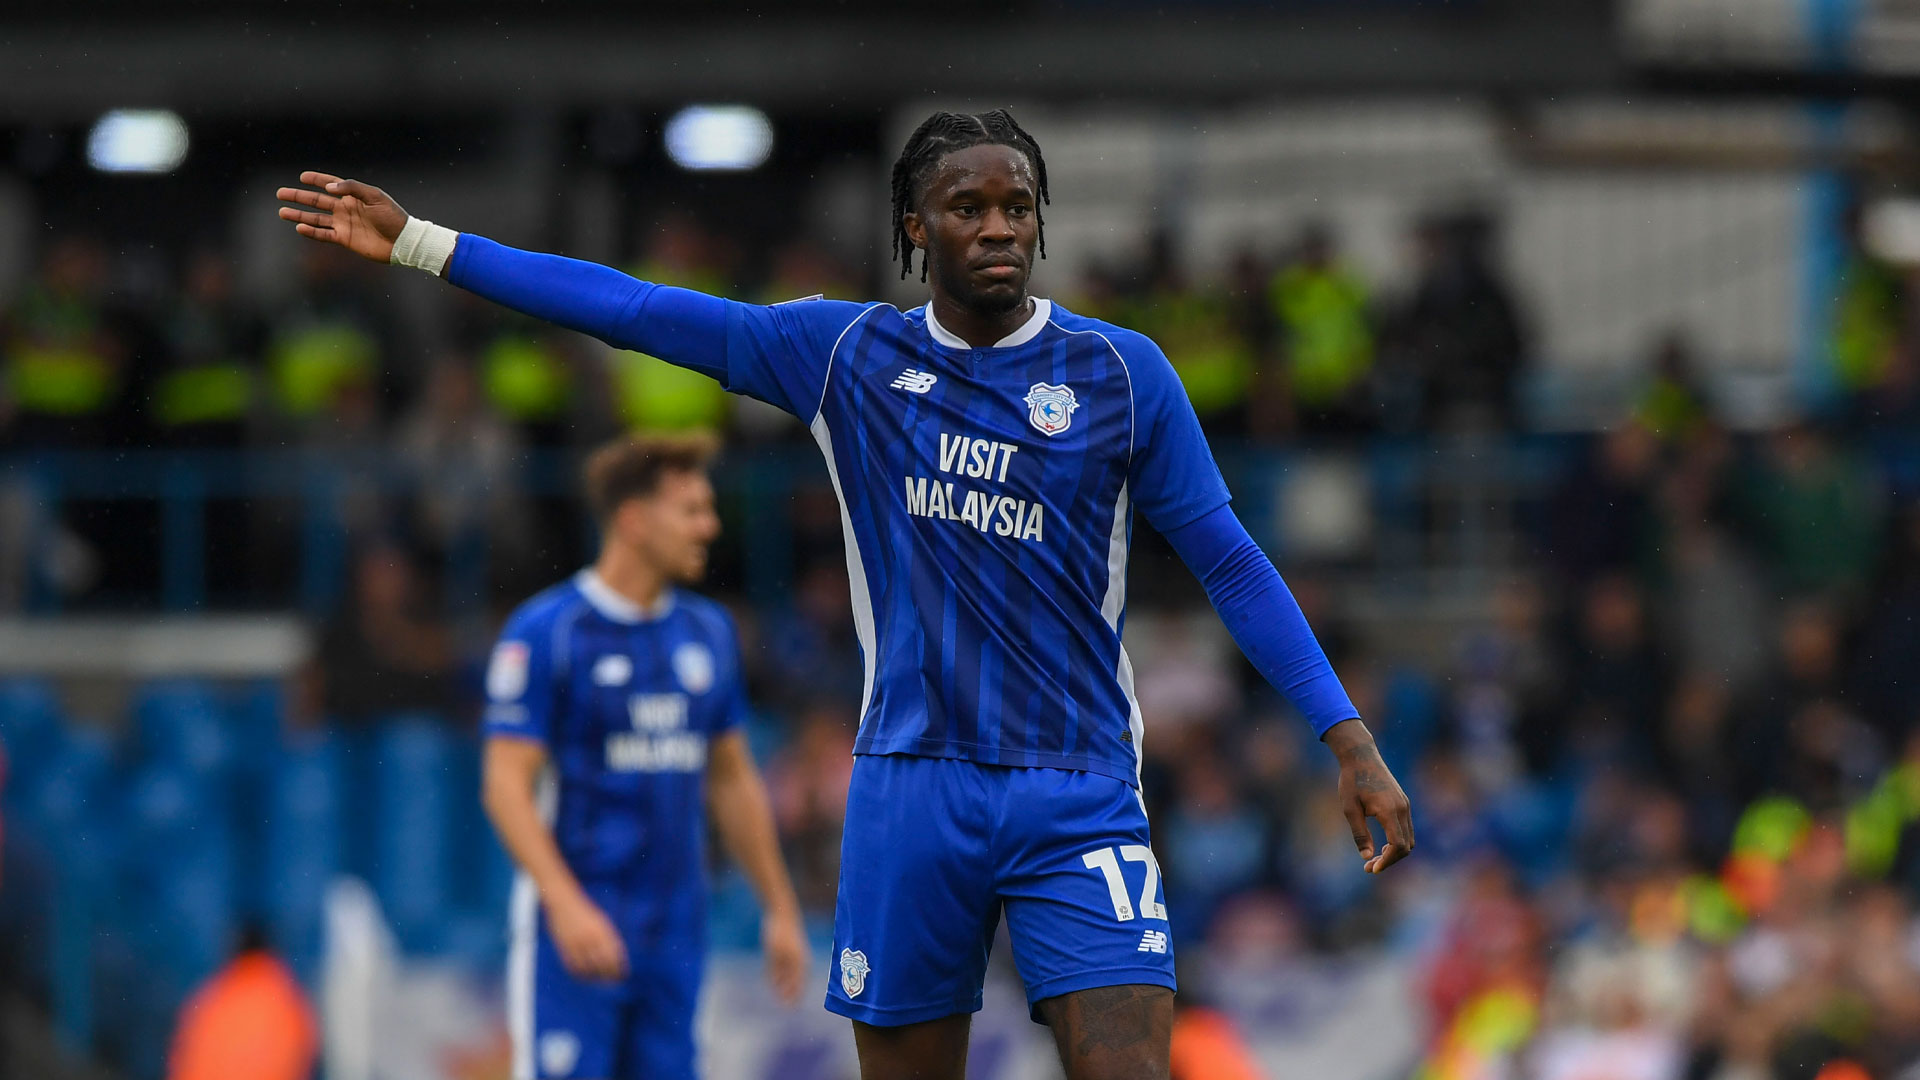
319	200
306	217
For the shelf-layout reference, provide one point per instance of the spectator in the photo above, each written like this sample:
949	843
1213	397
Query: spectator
1673	404
462	457
1326	335
1460	331
1816	512
250	1020
1196	328
1601	518
1617	678
207	394
66	353
330	354
383	654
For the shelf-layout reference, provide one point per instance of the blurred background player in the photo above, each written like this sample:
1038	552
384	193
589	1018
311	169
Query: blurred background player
988	450
613	729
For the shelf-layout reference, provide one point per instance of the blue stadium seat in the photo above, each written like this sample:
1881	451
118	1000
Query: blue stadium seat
257	719
177	889
181	721
414	797
63	804
30	723
303	851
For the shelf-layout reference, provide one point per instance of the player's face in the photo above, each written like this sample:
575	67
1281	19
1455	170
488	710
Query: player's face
673	527
978	224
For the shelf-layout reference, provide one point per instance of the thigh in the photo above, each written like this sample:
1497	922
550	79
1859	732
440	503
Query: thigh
658	1037
1081	887
929	1050
1113	1032
562	1027
916	910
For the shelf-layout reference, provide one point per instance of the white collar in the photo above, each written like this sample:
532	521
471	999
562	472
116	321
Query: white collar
617	607
1042	311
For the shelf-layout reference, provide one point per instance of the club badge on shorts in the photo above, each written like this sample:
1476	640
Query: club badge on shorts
1050	408
853	972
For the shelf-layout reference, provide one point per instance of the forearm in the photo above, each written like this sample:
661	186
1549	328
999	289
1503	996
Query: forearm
743	816
527	839
1262	615
678	325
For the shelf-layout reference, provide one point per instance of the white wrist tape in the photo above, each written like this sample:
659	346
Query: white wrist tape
423	245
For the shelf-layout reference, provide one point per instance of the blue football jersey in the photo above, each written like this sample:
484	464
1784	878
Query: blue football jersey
626	702
987	497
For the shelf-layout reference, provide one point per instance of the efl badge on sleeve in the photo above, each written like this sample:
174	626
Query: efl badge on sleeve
1050	407
507	671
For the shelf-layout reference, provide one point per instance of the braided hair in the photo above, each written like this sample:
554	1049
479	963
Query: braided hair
941	134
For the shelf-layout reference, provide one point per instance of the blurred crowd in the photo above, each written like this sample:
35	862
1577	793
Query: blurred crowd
1666	789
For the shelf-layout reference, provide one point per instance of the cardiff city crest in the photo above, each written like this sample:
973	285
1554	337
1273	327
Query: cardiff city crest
853	971
1050	408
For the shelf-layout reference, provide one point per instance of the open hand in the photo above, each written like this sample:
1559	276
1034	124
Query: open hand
1368	790
590	947
357	216
784	940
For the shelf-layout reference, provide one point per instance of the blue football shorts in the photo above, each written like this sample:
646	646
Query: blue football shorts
934	849
563	1028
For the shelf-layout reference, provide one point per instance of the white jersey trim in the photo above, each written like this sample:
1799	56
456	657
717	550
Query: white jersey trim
1111	608
615	606
1042	315
523	919
1133	413
862	594
826	378
1115	601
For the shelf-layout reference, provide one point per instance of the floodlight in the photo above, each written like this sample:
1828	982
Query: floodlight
138	141
730	138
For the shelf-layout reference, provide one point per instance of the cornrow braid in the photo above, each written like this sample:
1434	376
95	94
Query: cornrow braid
936	137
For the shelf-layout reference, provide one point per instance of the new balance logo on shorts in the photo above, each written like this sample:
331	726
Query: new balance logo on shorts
915	382
1153	941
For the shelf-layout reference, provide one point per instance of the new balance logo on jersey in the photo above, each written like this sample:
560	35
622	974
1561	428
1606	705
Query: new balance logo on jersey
915	382
612	669
1154	941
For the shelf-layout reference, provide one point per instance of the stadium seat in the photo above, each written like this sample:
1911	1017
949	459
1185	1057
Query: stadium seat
414	797
303	845
179	867
181	721
30	722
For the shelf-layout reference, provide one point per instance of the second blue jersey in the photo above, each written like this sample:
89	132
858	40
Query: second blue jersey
626	702
987	498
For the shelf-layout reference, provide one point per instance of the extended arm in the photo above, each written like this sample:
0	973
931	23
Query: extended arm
678	325
1266	621
743	816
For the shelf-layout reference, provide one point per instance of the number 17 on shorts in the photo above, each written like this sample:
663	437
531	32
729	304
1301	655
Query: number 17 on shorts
1107	861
